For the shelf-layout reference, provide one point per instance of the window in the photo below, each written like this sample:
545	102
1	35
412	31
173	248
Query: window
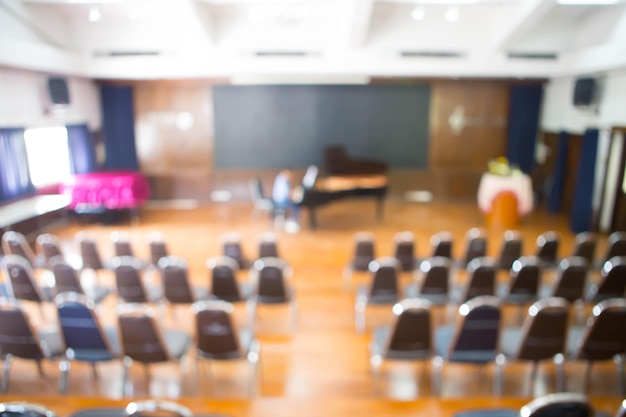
48	155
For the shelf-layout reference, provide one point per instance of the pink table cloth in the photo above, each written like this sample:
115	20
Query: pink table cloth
109	190
492	185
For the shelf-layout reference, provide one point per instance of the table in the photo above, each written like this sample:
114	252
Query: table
495	193
106	190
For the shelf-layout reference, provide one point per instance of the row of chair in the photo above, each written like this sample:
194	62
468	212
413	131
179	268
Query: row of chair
434	283
80	337
547	249
479	337
269	282
49	247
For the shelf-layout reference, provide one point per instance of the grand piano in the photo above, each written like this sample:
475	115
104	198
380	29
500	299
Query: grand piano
347	178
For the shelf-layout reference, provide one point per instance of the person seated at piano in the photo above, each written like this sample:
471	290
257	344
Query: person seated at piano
285	197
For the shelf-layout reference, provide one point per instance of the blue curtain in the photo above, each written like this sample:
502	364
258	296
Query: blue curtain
523	124
558	175
118	125
14	175
582	211
82	149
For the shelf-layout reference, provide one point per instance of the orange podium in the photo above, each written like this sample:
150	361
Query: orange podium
505	199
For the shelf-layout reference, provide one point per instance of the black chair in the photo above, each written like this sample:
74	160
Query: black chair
143	408
442	244
177	288
121	244
612	282
15	243
217	338
511	249
157	246
542	336
89	252
364	253
434	281
616	246
523	286
21	283
231	246
408	338
570	281
66	279
602	339
585	247
475	245
142	340
383	289
19	339
481	281
268	247
84	338
548	249
223	280
559	405
270	282
404	251
130	284
25	409
48	246
474	340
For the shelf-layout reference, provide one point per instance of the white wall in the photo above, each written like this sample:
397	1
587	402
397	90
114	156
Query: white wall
24	101
559	113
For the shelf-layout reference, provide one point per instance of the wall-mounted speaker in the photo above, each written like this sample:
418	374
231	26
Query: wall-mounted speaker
58	91
585	92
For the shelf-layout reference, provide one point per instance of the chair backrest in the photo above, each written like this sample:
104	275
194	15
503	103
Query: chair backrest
14	243
384	287
89	252
481	279
147	408
511	249
48	246
267	246
175	280
605	336
216	335
558	405
364	251
17	335
158	247
128	280
616	245
404	250
621	412
548	247
21	282
222	270
121	244
441	243
525	276
65	276
435	275
544	332
231	246
256	189
271	287
475	245
80	327
571	278
585	247
411	336
476	337
141	338
613	280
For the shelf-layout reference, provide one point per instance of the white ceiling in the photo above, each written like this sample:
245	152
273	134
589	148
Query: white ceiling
316	39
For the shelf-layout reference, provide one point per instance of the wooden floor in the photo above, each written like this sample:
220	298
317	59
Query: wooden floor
324	358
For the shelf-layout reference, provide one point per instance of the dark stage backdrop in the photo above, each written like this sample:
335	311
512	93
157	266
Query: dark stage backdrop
279	126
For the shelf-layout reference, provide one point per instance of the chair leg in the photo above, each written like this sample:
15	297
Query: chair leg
437	363
619	361
126	364
533	377
40	369
253	357
64	368
498	368
587	375
559	361
94	371
359	316
7	370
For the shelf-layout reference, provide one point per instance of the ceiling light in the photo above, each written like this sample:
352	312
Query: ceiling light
94	14
452	14
418	13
